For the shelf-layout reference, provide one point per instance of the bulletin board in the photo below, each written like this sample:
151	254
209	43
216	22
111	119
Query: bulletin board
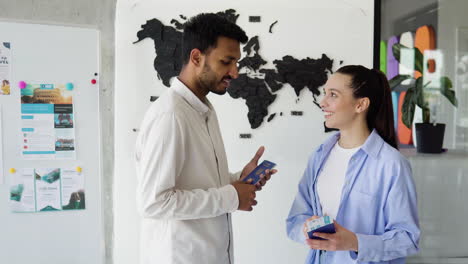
54	58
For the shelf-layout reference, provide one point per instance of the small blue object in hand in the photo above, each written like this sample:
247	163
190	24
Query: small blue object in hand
258	171
323	224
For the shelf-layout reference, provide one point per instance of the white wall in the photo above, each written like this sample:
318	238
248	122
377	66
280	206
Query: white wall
341	29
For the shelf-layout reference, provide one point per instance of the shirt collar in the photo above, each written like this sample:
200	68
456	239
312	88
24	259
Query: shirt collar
371	146
330	142
181	89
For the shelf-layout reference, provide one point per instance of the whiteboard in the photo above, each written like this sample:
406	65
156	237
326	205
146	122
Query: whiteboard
53	54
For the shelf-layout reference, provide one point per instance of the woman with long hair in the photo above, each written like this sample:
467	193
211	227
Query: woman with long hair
357	177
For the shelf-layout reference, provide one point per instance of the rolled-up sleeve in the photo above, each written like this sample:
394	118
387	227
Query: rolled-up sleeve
160	157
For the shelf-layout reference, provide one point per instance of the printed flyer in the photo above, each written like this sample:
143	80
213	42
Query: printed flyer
47	189
22	191
47	127
5	67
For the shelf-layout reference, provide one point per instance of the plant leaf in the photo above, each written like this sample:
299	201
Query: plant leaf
418	56
396	49
397	80
407	109
446	90
419	94
418	60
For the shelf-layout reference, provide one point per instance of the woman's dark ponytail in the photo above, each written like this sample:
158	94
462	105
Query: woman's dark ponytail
373	84
384	122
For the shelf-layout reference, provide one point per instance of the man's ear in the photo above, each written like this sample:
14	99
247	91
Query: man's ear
363	104
196	57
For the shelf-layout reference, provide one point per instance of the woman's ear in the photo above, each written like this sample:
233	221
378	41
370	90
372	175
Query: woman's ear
363	104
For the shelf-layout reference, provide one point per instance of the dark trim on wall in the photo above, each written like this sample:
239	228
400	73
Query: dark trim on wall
377	31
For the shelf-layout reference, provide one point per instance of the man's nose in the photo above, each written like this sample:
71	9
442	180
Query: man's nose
234	71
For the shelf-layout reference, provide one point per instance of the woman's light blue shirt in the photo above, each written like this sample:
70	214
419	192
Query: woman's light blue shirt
378	203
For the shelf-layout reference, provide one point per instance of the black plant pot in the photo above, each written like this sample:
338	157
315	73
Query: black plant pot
430	137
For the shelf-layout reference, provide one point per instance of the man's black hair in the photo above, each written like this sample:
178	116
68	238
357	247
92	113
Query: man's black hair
202	31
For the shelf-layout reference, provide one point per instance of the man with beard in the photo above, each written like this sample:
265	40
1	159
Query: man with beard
185	192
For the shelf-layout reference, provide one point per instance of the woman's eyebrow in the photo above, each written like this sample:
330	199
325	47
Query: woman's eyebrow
334	90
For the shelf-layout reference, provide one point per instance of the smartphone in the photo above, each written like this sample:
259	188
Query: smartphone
258	171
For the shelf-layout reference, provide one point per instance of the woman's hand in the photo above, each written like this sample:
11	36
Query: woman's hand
304	228
342	240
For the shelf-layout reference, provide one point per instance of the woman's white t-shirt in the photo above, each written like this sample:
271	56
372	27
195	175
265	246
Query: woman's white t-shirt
332	177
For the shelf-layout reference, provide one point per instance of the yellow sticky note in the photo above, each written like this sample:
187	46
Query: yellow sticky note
12	170
79	169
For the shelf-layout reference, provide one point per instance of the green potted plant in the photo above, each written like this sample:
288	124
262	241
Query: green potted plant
429	134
